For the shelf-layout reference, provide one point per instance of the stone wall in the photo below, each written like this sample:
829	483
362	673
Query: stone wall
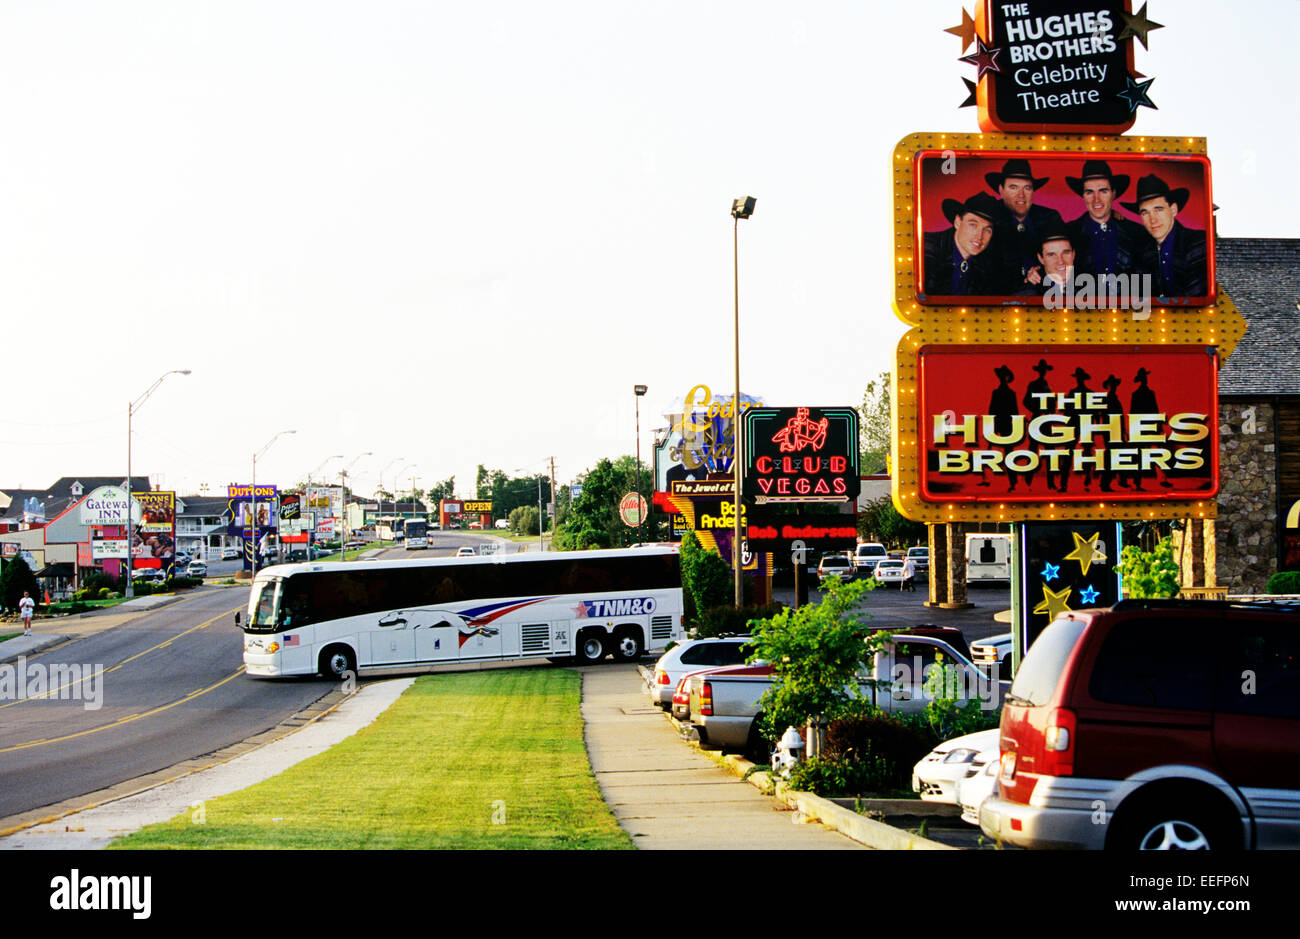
1246	532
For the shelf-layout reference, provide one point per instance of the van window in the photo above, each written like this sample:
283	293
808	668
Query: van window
1156	663
1042	666
1259	670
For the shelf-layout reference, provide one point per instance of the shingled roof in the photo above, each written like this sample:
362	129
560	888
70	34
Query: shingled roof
1262	276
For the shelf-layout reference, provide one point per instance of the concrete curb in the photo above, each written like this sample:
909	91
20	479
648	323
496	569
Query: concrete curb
862	829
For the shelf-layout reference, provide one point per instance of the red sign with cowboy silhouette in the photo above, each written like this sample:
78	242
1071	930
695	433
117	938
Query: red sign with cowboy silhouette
1019	424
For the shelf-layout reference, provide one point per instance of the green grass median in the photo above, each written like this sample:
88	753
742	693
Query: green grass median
491	759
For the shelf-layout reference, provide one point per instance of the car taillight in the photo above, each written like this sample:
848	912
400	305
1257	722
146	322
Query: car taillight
661	678
706	699
1058	743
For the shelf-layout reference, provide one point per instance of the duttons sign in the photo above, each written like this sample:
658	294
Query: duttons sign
1013	424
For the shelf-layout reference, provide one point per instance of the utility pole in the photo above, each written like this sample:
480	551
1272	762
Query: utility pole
555	505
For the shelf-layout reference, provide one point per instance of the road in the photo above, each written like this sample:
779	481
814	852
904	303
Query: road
172	689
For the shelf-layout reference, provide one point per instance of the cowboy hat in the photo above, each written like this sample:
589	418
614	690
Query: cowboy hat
982	204
1153	187
1098	169
1014	169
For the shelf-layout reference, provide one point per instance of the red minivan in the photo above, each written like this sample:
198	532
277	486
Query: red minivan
1157	724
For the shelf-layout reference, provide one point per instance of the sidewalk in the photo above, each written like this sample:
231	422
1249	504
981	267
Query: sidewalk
51	631
666	794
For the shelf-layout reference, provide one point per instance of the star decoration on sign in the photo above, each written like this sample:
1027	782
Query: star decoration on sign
966	30
1137	24
1051	572
970	101
1136	93
580	611
1054	603
1086	551
1088	595
984	58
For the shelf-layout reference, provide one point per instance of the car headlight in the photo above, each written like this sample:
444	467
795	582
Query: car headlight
960	755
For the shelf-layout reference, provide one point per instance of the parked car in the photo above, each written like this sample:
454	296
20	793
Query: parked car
920	557
1156	724
936	775
995	650
196	569
691	655
152	575
354	544
889	571
230	553
836	566
866	556
501	523
973	790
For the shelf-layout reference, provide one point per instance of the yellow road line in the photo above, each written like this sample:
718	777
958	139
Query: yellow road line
128	719
161	645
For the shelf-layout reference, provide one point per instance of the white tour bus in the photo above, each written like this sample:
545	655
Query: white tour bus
578	606
416	534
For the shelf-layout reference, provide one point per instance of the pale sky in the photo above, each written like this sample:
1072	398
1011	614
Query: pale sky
459	233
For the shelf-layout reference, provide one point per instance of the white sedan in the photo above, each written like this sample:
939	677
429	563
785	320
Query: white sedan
940	771
889	572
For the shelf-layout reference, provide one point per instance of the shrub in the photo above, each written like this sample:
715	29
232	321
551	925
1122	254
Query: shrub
722	620
706	578
844	776
1284	582
1149	574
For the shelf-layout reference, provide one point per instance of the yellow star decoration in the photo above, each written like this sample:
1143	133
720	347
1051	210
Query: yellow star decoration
1137	24
1086	551
1054	603
966	30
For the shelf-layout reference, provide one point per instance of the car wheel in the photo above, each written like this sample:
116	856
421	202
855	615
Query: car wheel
757	747
337	661
627	645
1165	822
591	647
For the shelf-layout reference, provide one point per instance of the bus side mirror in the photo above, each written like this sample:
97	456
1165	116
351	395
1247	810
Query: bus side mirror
238	618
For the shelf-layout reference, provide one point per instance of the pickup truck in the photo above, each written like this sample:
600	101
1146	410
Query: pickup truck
724	702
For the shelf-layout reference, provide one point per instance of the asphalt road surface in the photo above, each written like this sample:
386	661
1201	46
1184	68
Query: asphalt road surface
172	689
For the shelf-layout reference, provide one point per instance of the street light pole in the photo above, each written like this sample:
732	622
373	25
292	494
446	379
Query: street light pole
638	391
343	483
131	408
253	494
740	208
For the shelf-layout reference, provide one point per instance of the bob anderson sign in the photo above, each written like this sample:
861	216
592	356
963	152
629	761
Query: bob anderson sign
1061	424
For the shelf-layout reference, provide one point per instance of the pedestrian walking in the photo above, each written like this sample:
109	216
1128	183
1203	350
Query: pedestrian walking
25	607
909	576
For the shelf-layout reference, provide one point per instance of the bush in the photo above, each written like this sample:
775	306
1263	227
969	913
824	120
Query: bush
722	620
1284	582
832	776
1149	574
706	579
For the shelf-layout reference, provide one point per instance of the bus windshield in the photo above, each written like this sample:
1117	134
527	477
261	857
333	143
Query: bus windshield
266	605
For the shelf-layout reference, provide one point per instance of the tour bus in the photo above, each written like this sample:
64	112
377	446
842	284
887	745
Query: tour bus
576	606
988	558
389	528
417	534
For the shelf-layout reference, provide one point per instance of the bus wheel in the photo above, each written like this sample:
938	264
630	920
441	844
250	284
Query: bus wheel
591	647
627	645
336	661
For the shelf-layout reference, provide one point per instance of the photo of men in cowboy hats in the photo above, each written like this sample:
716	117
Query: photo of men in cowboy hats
957	262
1104	241
1172	254
1018	224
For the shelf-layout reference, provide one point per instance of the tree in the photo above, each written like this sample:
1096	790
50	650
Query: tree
593	520
876	427
443	490
817	653
482	483
706	579
1149	574
881	521
15	577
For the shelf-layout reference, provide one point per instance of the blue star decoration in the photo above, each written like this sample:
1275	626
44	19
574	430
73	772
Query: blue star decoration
1136	93
1088	595
1051	572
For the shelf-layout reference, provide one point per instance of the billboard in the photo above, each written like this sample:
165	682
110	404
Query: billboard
155	535
1063	230
107	505
1015	424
